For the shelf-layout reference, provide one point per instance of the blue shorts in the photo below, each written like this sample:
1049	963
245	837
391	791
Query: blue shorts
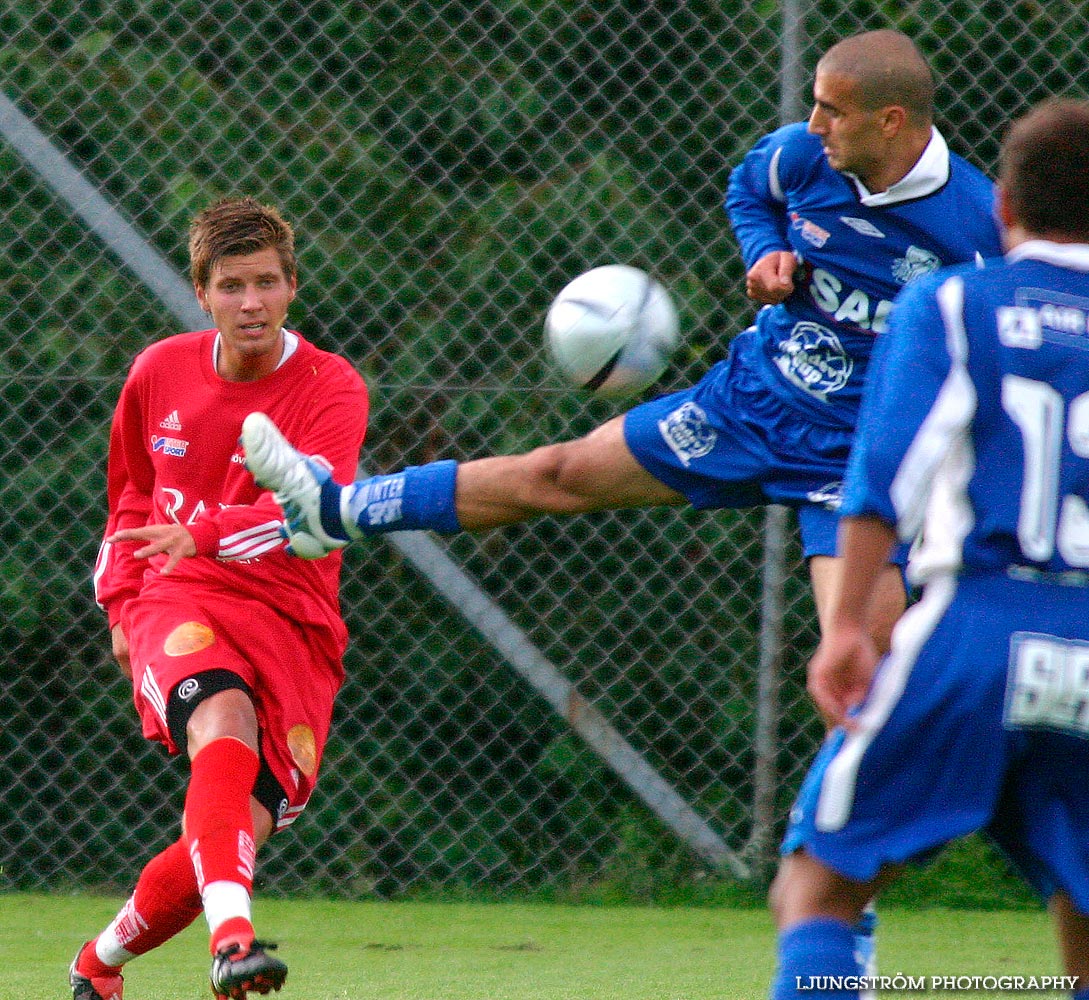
730	442
976	720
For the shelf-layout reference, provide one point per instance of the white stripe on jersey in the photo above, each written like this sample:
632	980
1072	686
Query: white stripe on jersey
773	176
932	478
913	629
153	694
102	560
251	542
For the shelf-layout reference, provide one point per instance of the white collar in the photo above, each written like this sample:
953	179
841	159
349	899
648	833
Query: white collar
1072	255
930	172
291	345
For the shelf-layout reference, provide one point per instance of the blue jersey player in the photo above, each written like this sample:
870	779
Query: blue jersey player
974	432
833	218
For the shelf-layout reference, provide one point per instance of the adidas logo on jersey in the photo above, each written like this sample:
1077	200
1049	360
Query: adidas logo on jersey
172	422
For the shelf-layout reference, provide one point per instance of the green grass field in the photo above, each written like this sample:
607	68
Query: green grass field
509	951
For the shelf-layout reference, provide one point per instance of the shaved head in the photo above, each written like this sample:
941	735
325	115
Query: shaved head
888	69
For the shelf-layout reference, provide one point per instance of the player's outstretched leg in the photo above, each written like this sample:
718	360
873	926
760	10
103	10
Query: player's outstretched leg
237	970
109	985
301	486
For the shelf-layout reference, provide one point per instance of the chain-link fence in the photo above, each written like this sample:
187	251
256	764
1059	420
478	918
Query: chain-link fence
538	706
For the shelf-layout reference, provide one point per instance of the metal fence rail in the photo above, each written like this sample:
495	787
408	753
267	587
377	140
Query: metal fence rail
447	167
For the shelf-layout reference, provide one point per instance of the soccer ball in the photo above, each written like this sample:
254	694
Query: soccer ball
612	330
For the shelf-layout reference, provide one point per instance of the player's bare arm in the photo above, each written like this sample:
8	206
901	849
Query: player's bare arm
173	539
840	672
771	279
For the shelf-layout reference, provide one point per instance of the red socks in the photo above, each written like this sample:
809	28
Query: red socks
209	869
165	902
218	821
166	898
219	828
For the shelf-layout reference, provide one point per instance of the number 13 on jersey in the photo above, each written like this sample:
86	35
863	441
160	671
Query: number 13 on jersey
1046	520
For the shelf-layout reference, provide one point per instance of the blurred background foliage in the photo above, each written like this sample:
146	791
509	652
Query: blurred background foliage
447	167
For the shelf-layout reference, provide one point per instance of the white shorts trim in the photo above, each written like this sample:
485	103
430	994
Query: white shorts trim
912	631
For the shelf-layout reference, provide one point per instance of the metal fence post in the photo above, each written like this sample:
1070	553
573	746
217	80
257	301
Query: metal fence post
761	847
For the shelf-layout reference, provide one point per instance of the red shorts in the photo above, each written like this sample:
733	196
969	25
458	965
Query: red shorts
293	672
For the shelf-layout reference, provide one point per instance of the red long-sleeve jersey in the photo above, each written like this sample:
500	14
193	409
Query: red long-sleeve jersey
175	457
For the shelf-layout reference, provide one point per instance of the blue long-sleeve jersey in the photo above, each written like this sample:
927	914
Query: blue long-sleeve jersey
857	251
975	424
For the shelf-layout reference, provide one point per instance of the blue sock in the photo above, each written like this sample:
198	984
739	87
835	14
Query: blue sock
329	507
866	941
419	497
817	961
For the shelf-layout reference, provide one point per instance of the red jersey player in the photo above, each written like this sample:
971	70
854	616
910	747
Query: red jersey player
234	647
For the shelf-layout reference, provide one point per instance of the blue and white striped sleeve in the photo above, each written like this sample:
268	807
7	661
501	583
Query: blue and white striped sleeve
918	401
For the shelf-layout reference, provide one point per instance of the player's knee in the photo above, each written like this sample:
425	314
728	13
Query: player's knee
263	823
227	714
805	887
572	473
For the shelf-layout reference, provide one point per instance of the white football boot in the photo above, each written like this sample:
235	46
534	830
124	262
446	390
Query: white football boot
297	483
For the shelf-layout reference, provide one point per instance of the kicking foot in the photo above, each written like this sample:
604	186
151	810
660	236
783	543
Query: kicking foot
298	483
